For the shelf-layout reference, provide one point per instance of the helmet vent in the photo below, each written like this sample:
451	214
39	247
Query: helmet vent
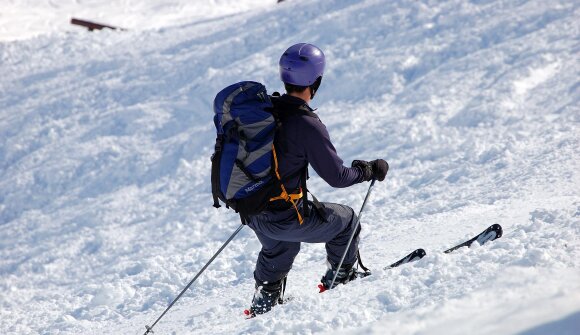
304	58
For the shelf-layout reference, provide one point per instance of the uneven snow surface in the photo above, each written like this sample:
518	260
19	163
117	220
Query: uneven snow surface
105	139
22	19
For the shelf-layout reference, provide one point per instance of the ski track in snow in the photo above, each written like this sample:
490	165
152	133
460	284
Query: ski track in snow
105	138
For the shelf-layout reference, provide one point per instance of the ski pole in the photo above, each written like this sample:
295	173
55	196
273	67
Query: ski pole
150	329
353	232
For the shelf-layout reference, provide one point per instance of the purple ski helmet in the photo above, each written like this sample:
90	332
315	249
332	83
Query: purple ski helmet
302	64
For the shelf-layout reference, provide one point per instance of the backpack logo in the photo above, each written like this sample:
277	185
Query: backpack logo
252	187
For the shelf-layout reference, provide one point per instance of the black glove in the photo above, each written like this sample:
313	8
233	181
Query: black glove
376	169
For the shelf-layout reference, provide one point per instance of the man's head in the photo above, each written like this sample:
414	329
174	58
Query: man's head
301	68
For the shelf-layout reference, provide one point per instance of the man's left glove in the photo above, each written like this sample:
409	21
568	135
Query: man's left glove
376	169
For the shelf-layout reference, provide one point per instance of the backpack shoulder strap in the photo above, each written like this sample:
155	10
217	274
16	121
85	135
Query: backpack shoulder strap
280	114
215	170
303	109
305	207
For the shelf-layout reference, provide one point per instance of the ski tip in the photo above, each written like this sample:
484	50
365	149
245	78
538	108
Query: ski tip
498	230
321	288
421	253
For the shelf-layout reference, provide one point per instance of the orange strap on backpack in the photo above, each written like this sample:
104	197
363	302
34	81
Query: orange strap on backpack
291	198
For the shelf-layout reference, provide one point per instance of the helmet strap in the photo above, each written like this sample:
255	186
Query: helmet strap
312	92
314	87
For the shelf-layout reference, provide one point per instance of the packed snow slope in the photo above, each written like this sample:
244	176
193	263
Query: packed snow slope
105	139
22	19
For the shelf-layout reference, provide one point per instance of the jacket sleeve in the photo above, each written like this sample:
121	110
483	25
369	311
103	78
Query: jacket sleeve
322	156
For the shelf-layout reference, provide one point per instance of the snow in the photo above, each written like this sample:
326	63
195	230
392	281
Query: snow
105	138
23	19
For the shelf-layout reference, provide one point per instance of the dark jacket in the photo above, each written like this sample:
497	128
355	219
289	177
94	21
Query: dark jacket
303	139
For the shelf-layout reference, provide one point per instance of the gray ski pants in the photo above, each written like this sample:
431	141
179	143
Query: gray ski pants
280	234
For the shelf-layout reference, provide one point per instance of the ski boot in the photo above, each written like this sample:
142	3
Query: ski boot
346	273
266	296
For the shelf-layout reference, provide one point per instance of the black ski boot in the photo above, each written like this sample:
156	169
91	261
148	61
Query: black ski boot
267	295
346	273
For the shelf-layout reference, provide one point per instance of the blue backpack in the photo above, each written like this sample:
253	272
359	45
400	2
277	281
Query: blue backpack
244	166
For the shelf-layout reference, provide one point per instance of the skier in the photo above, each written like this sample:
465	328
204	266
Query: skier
302	140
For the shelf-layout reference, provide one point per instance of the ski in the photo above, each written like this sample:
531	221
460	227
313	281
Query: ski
416	255
491	233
